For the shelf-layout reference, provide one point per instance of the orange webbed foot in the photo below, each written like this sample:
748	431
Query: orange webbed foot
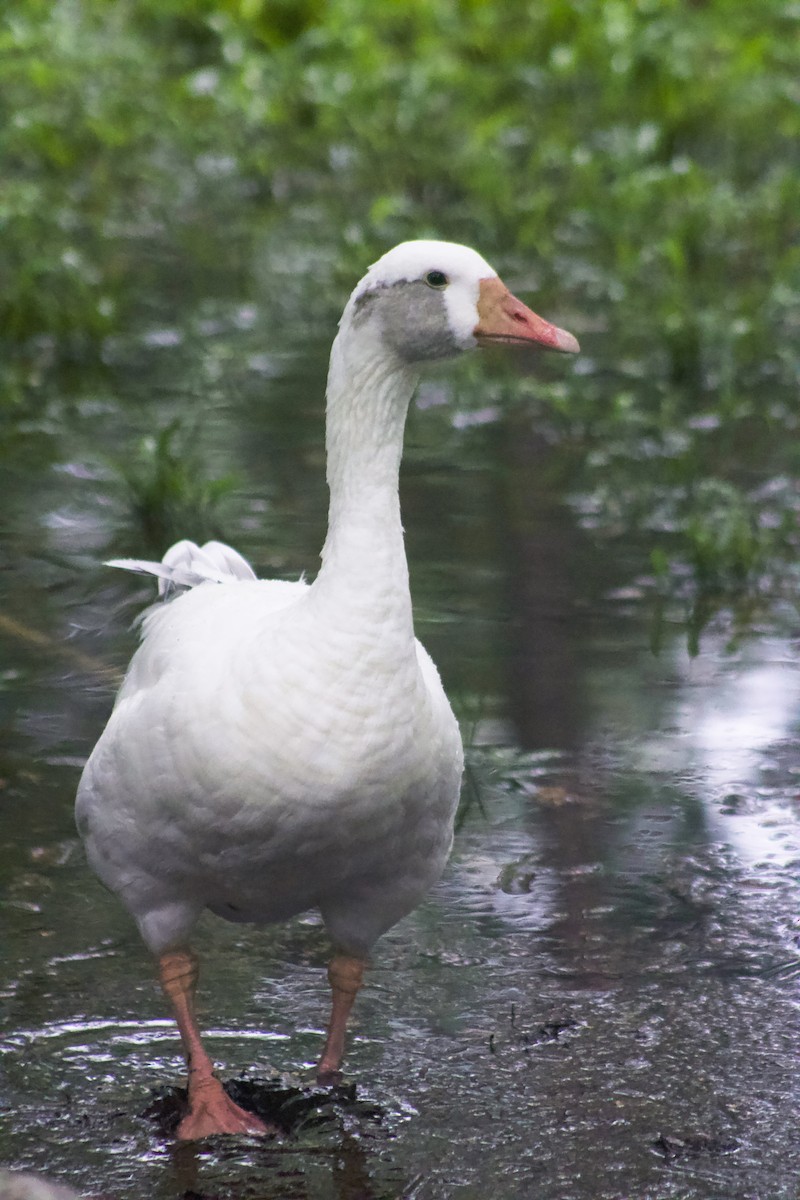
211	1111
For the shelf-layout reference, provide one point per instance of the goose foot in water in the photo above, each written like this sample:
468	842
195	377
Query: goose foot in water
211	1110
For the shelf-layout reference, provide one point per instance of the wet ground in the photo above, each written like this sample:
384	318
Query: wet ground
601	998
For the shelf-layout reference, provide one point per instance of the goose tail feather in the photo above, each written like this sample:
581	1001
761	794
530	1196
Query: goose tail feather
186	565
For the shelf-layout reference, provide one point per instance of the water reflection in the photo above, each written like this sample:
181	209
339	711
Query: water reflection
547	703
278	1170
628	882
345	1173
743	714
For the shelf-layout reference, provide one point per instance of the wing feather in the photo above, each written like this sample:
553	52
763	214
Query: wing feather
186	565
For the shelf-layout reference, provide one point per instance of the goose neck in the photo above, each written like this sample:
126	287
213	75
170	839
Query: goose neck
367	402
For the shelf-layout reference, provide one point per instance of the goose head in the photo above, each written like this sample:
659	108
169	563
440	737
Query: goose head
427	300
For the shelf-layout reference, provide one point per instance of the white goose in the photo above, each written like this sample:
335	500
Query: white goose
277	747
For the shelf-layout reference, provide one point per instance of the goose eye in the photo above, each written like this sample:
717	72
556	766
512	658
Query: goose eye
436	279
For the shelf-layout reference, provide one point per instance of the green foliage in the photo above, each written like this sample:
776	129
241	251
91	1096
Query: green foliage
633	162
619	148
100	125
732	543
170	497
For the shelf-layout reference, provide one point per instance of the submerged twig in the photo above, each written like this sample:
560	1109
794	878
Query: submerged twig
34	637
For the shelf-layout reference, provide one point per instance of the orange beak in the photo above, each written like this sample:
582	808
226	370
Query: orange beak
504	320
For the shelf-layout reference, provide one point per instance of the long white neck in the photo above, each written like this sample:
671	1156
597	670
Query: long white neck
364	569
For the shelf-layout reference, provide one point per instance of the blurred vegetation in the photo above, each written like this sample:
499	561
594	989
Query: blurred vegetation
632	164
168	490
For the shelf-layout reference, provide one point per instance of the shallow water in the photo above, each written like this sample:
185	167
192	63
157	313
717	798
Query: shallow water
599	1000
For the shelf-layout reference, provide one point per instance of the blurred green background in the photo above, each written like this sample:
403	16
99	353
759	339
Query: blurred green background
630	168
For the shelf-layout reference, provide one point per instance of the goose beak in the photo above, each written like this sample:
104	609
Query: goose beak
505	320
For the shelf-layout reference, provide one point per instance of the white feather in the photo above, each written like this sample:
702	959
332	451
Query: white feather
185	565
277	746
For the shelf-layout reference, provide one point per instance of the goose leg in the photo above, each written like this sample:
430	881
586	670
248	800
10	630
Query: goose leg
210	1108
346	976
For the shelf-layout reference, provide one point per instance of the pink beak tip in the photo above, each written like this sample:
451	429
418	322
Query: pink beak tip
566	343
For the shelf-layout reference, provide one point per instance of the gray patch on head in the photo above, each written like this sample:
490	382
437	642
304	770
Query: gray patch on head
413	320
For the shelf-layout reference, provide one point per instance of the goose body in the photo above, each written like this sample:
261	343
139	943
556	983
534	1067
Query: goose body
276	746
294	758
